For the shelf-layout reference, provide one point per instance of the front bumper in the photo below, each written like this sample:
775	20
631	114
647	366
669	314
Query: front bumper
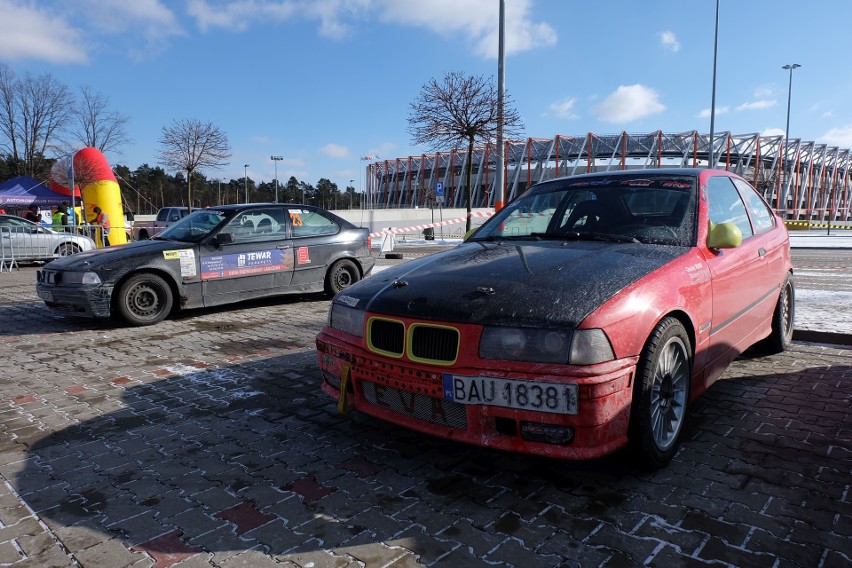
411	394
83	300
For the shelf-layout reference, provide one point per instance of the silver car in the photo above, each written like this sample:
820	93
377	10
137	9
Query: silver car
22	240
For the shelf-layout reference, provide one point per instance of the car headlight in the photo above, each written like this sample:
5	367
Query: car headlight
346	319
523	344
580	347
80	278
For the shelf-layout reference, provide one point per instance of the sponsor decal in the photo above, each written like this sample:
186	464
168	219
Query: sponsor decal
245	264
347	301
187	261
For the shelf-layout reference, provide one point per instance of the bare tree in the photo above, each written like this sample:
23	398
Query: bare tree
189	145
460	109
95	125
34	112
9	114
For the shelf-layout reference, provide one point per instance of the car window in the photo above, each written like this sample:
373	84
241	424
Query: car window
257	225
762	217
310	223
657	209
726	205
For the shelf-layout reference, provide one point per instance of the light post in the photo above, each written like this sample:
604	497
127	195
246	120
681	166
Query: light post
790	68
276	159
351	193
710	161
245	180
219	196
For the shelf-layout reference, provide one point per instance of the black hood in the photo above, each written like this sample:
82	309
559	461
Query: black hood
94	259
511	283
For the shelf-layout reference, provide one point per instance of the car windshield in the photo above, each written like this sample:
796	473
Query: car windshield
195	226
657	209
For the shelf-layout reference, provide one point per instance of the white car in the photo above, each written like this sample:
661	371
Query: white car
22	240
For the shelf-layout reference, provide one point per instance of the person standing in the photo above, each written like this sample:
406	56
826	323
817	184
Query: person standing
32	214
102	219
60	218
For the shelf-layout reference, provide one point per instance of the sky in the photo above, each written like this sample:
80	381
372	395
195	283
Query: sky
326	83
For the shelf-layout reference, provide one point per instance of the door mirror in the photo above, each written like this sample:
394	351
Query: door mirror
223	239
724	235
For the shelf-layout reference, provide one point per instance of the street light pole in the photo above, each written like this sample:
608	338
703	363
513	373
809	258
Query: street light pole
710	161
245	180
351	193
785	177
276	159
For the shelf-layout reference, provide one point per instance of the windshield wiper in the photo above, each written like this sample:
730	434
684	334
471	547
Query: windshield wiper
497	239
606	237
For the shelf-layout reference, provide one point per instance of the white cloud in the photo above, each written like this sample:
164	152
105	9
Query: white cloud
705	112
773	132
151	20
31	33
828	114
475	20
564	109
239	14
629	103
758	105
669	41
335	151
839	136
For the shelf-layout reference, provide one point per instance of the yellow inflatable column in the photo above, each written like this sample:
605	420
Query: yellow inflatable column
100	189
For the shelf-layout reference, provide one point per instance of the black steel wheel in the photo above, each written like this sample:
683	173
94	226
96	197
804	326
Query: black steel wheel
144	299
661	394
342	274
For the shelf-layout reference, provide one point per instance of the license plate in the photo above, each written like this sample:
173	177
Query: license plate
45	295
511	393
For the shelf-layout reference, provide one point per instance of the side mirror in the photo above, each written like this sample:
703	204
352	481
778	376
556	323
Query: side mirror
724	235
223	239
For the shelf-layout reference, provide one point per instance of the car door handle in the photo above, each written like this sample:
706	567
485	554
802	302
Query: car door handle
761	252
282	247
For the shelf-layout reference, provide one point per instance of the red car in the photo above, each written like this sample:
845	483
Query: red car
581	318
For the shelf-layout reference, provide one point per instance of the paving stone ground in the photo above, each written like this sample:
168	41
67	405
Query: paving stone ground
206	441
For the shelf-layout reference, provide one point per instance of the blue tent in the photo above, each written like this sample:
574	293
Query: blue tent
24	191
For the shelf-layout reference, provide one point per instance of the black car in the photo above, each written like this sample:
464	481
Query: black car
211	257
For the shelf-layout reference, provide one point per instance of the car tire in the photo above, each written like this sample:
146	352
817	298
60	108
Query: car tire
342	274
781	337
661	394
144	299
67	249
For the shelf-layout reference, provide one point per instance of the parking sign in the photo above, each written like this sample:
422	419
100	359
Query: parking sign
439	192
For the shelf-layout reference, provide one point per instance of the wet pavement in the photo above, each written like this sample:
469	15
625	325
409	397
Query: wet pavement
206	441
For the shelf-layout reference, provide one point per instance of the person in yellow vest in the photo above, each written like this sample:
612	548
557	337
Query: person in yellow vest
102	219
60	218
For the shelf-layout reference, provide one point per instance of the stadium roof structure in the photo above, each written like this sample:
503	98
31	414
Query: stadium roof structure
805	180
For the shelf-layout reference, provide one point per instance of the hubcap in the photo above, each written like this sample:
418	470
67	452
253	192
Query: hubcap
668	393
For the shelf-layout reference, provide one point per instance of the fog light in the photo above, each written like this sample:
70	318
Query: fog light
546	433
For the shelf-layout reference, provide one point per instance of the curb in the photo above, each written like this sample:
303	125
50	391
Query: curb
822	337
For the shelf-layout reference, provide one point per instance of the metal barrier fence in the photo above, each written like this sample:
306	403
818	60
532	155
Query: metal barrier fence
27	243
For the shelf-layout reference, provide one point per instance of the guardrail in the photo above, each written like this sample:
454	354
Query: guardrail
808	225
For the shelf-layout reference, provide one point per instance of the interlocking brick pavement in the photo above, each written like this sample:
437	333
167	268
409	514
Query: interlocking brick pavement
205	441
